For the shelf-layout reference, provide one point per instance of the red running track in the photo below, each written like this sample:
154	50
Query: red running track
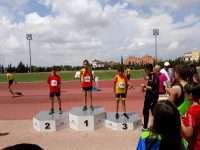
35	98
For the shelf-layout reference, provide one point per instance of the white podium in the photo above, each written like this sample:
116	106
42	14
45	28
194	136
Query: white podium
44	122
86	120
163	97
122	123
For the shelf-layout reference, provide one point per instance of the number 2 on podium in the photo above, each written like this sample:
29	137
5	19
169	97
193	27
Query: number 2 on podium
47	126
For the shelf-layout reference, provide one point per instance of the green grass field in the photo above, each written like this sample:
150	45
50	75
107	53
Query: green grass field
67	75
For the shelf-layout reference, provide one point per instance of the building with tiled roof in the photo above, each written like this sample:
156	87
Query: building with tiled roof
146	59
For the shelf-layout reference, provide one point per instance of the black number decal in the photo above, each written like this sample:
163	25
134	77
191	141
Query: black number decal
125	126
47	126
86	123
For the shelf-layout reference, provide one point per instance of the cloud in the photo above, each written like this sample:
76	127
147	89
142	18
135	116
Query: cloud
173	45
79	29
12	8
34	18
11	43
169	3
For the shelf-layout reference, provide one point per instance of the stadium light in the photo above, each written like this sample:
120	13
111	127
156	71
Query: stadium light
29	38
156	33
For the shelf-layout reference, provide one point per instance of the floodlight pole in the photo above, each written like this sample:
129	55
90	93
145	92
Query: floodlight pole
29	38
156	33
122	60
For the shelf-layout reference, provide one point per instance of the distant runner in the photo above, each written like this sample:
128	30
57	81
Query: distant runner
128	73
10	78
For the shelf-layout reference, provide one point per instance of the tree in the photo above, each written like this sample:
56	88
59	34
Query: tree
21	67
1	69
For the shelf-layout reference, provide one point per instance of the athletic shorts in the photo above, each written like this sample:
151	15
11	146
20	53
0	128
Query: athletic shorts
128	76
52	94
120	95
10	82
87	88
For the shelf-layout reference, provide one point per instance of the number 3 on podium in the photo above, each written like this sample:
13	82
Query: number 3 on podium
125	126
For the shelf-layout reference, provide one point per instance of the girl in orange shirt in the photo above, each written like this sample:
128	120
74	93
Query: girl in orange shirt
120	90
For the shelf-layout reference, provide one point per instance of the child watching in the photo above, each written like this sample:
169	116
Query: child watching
191	121
165	133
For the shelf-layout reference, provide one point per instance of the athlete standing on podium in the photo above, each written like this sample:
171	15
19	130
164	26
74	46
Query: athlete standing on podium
54	82
86	79
120	88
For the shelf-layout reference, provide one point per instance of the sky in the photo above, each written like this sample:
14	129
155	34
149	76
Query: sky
65	32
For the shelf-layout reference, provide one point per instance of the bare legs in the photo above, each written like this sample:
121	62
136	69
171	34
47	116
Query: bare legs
52	105
11	91
123	107
86	93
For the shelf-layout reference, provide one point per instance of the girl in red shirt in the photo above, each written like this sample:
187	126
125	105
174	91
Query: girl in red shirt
191	121
86	79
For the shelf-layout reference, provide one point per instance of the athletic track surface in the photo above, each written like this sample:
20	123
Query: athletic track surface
36	99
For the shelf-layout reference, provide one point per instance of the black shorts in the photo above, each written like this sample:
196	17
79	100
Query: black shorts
10	82
87	88
52	94
128	76
120	95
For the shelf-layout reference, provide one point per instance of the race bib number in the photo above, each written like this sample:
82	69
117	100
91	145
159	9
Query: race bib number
54	83
121	85
86	79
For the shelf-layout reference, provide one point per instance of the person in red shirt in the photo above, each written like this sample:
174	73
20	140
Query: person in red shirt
86	81
54	82
191	121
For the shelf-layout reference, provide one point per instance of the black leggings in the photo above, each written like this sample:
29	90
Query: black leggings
149	104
